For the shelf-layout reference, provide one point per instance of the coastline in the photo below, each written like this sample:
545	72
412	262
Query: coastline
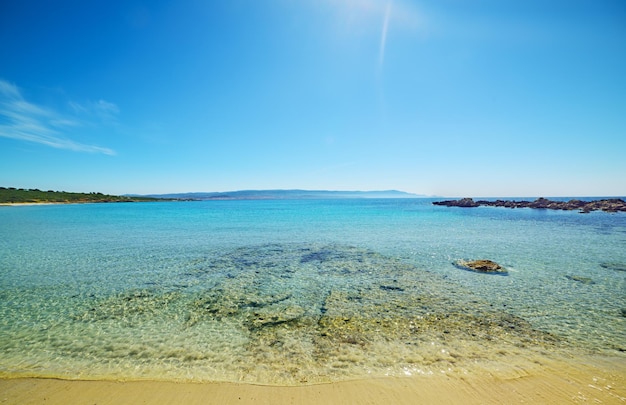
20	204
25	204
600	380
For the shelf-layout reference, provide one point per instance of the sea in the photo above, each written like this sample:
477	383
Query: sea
292	292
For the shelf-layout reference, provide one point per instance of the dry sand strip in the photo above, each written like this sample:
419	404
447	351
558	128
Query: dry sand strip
557	384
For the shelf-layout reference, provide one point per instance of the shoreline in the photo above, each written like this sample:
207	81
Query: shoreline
19	204
601	380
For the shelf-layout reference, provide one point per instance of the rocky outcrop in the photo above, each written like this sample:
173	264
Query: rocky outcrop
464	202
607	205
481	266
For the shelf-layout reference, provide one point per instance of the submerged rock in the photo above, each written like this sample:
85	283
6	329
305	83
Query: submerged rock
274	316
341	311
614	266
481	266
391	288
581	279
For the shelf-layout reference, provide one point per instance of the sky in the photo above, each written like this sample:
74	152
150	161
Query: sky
436	97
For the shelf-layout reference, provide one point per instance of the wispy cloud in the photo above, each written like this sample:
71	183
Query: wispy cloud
26	121
101	109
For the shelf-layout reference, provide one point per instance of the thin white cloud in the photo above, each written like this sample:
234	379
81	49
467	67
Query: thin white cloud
9	90
101	109
26	121
64	122
78	108
107	108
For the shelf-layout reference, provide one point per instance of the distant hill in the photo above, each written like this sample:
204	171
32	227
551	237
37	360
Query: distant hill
285	195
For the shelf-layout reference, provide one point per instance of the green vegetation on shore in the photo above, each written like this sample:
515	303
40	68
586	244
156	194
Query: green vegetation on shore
10	195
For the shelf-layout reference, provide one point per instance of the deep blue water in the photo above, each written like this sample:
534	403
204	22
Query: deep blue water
297	291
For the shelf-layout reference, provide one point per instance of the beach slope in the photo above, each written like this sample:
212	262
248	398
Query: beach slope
551	383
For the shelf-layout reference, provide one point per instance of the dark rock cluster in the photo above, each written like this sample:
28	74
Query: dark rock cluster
607	205
481	266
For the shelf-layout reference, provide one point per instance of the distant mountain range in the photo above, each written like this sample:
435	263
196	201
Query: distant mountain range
286	195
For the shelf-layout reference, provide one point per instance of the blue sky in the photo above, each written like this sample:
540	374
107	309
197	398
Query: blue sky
450	98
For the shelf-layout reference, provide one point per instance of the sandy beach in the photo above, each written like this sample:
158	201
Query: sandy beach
553	382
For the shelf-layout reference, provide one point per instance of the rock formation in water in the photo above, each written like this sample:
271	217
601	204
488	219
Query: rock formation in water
481	266
607	205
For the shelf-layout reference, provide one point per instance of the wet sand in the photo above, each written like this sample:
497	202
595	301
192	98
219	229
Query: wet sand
552	382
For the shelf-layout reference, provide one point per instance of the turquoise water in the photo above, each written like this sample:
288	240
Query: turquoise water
302	291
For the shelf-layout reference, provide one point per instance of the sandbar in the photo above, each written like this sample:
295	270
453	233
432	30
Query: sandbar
551	382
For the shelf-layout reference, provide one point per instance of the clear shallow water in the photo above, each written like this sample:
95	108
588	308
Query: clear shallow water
290	292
